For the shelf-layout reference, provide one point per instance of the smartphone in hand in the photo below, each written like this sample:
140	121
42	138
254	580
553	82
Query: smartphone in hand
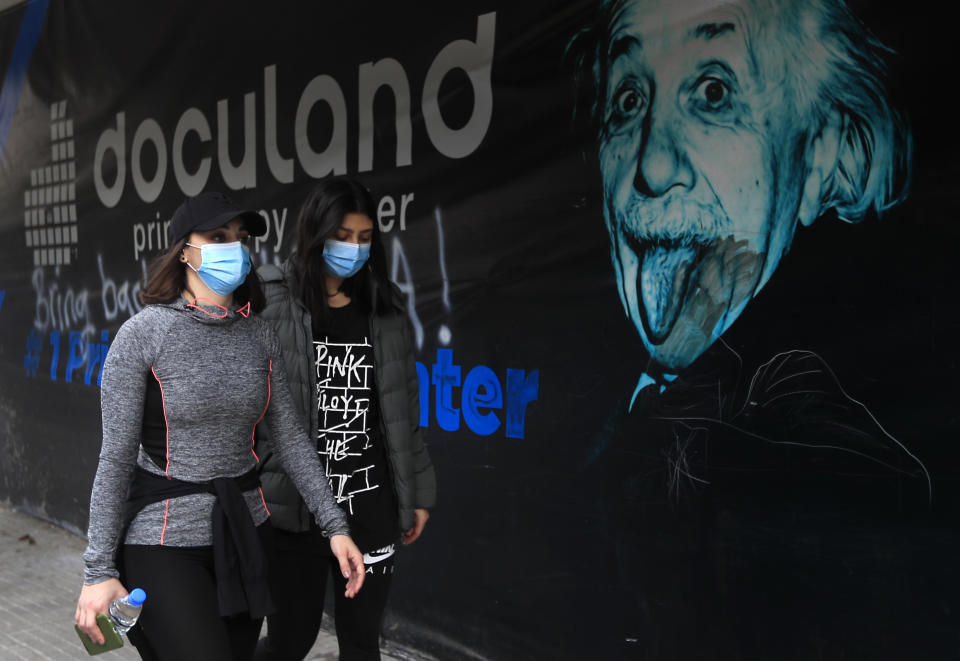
112	639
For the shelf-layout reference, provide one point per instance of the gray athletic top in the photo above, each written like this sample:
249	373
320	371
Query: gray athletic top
220	374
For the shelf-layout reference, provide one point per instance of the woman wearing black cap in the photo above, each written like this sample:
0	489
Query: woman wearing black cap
176	507
349	357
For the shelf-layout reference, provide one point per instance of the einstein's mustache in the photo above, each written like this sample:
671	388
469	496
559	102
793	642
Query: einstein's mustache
674	219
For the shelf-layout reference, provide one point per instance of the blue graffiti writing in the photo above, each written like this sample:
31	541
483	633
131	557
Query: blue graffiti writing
3	294
55	345
481	394
522	388
96	356
81	354
31	360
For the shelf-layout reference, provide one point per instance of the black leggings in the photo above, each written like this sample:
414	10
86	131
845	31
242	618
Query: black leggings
298	576
180	618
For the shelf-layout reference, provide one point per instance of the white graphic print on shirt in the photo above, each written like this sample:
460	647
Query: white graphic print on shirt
344	389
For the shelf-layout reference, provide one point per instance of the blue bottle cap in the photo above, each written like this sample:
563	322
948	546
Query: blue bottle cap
137	597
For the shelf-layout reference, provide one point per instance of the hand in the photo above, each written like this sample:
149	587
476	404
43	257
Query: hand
96	599
420	520
351	562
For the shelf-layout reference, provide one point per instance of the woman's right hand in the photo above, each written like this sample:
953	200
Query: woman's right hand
351	562
96	599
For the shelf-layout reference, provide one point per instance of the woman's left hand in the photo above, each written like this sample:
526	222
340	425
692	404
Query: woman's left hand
420	520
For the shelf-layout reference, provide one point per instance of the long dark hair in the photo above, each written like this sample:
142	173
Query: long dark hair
166	279
318	220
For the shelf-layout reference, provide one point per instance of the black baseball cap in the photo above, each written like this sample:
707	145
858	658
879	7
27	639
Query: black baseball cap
208	211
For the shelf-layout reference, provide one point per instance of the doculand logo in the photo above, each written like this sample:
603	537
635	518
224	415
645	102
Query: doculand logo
49	203
117	157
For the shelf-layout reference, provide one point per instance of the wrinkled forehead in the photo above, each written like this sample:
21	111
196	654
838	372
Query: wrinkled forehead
663	32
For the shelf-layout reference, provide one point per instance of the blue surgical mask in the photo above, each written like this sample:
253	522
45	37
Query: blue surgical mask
223	266
344	259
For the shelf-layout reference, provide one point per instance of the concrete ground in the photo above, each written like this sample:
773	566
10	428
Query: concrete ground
40	577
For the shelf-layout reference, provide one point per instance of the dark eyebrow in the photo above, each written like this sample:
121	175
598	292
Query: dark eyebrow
710	31
624	45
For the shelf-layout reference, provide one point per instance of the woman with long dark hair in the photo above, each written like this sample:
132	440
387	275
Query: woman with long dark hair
349	356
176	507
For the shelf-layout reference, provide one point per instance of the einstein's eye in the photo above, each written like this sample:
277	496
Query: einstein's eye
712	93
627	103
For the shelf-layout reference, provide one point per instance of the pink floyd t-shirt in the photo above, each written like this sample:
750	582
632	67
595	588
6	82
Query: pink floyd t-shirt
349	438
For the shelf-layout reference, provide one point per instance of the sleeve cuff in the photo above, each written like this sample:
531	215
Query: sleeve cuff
93	576
339	531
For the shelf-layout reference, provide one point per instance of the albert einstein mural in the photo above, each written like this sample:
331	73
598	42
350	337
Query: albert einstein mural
720	127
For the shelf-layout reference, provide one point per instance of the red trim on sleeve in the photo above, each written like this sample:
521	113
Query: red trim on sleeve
166	511
254	432
163	400
263	500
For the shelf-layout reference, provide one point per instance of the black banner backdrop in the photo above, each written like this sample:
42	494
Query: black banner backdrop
624	471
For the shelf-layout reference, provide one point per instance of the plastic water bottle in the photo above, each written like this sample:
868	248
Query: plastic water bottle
125	611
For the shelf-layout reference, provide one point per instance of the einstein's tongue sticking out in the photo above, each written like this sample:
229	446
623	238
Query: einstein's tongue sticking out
688	295
663	280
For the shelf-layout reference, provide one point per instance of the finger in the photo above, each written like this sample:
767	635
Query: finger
352	588
97	635
359	572
88	625
344	561
420	523
410	536
358	582
355	583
